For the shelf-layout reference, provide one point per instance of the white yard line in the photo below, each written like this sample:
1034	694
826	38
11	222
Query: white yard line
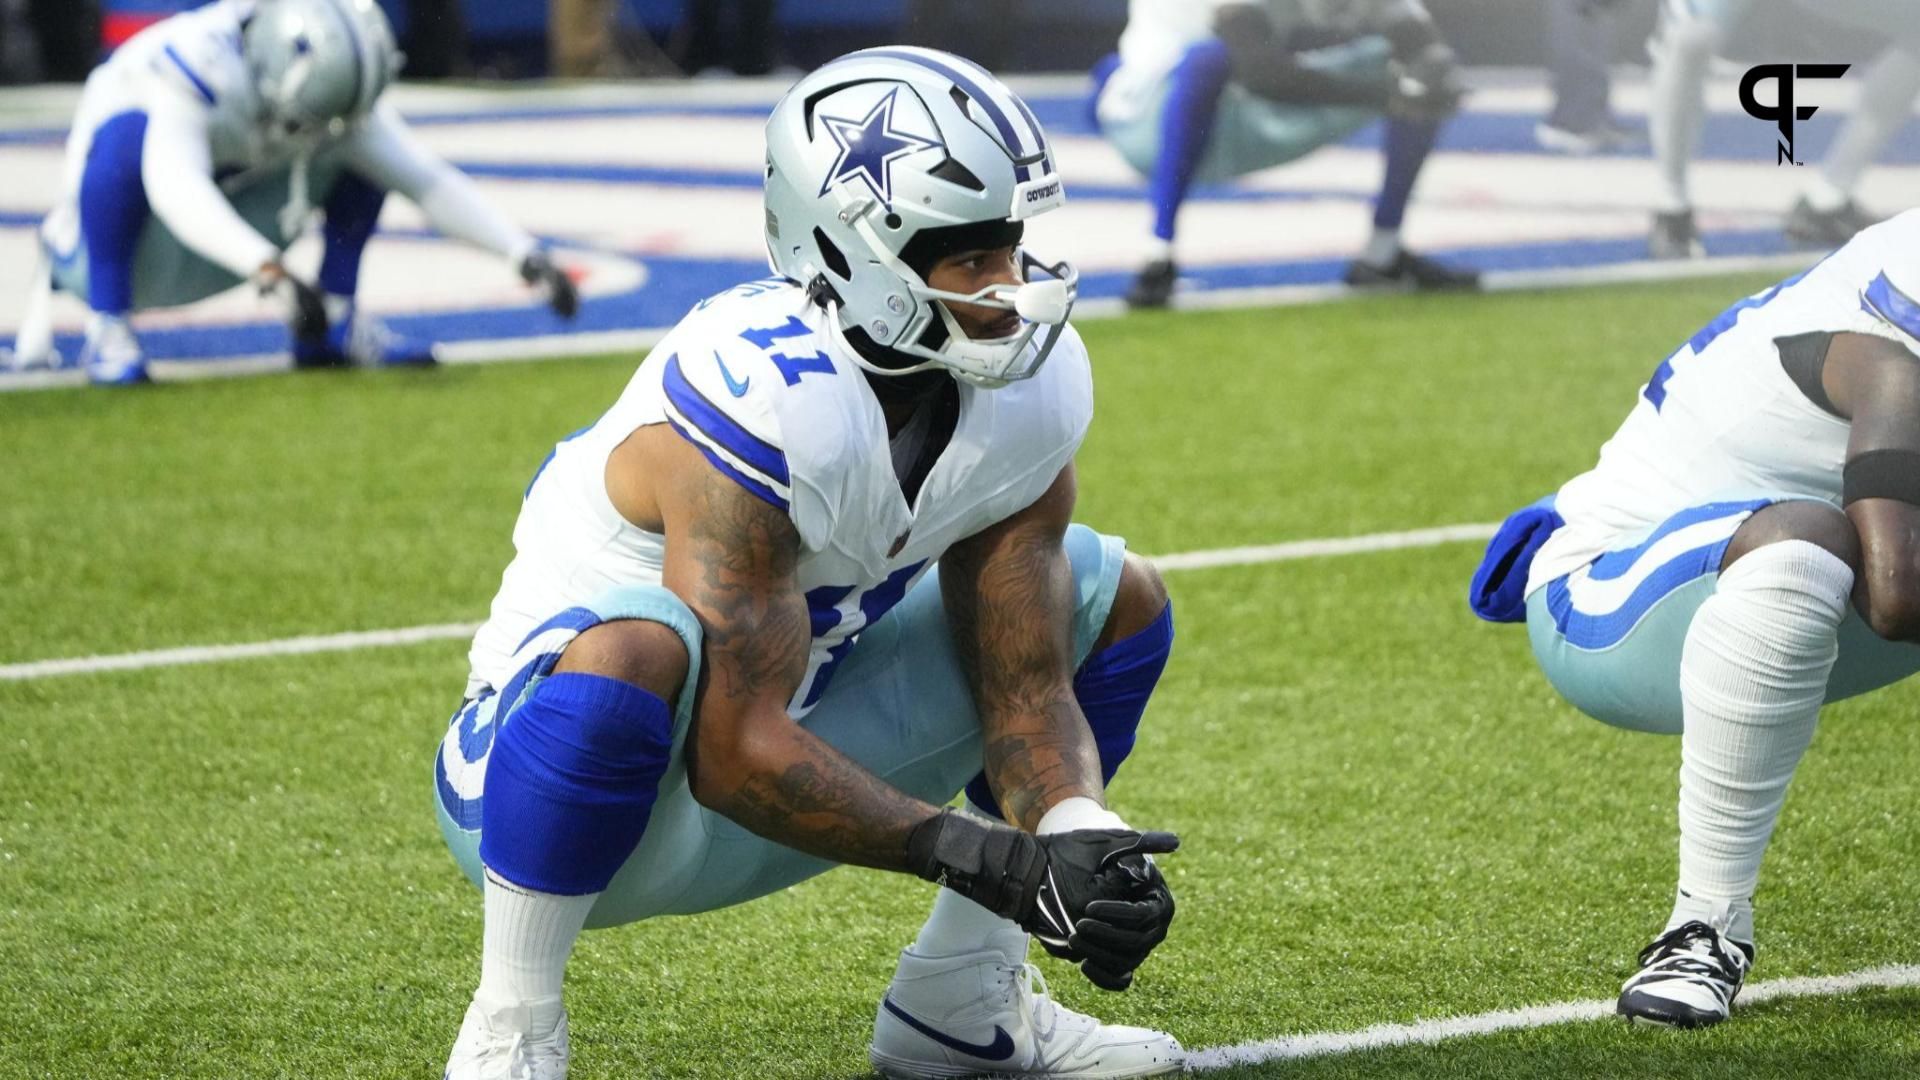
208	654
1428	1032
1310	549
375	639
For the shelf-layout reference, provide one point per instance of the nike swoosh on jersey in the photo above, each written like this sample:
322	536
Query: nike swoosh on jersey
1000	1049
736	387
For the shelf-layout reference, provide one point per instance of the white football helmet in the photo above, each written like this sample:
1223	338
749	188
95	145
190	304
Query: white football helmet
318	65
883	146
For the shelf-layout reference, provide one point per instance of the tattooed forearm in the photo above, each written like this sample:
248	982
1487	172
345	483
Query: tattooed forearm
826	805
1009	595
734	563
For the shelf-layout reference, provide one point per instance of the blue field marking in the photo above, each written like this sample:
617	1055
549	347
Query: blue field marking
1725	136
675	284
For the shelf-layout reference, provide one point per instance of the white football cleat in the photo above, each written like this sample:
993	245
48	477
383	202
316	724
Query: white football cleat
510	1042
355	339
1688	978
983	1014
112	355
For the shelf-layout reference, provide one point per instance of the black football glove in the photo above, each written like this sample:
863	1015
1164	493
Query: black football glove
1130	907
539	270
1091	896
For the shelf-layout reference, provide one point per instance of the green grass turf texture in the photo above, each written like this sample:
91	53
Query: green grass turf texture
232	870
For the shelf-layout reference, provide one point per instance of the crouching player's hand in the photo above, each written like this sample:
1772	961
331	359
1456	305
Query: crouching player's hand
540	271
1093	896
306	311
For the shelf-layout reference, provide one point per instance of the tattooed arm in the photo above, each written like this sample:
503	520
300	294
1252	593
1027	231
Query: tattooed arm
1009	593
731	557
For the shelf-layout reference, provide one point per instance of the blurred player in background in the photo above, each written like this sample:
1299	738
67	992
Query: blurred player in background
1692	32
1206	90
1580	37
205	145
723	659
1747	549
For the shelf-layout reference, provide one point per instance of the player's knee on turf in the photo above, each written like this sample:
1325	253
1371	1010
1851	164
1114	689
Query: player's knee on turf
638	652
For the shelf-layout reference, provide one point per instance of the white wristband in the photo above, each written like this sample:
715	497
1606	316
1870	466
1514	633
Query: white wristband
1078	812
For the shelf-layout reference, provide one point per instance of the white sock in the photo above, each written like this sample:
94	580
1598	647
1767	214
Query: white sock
1078	812
1383	247
1733	918
527	940
1681	51
1753	674
1158	250
337	307
1886	98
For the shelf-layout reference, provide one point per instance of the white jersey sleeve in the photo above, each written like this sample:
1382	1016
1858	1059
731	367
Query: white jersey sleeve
176	168
713	401
382	149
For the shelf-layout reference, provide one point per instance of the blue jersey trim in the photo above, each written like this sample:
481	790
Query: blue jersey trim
754	487
206	92
1884	298
1615	564
723	430
975	92
1603	631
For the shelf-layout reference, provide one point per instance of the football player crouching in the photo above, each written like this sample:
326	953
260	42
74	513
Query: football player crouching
204	146
724	660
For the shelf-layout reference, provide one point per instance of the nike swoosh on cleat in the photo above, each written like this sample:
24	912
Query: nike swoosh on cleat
1000	1049
738	388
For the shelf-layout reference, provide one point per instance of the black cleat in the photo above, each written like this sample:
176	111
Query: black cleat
1154	287
1410	271
1824	229
1688	978
1674	236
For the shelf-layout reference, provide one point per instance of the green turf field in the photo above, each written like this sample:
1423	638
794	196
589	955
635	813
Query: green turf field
232	869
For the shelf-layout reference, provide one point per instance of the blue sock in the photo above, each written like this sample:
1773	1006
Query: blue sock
571	782
1186	126
1408	142
114	210
352	211
1113	687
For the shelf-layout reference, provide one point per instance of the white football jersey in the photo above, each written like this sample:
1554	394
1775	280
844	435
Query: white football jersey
195	55
1721	418
753	378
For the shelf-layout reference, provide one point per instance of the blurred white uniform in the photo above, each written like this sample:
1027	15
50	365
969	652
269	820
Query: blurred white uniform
204	120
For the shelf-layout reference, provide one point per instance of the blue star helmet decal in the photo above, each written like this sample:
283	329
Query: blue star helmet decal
869	146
